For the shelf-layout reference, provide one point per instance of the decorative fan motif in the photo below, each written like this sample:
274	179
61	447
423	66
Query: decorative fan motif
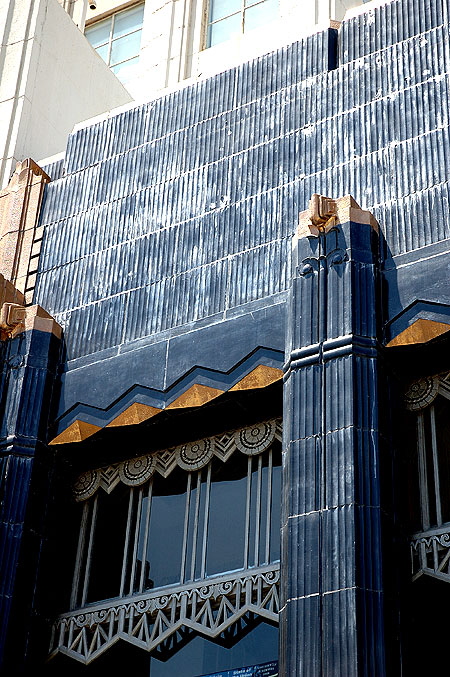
256	439
195	455
190	456
86	485
421	393
137	470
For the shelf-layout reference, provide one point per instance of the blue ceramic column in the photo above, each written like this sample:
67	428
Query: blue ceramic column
28	369
332	607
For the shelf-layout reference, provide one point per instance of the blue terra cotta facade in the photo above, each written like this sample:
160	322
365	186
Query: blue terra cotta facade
172	261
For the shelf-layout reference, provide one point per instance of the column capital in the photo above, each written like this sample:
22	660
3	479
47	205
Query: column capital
325	213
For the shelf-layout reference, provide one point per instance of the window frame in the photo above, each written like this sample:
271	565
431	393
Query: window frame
241	11
112	16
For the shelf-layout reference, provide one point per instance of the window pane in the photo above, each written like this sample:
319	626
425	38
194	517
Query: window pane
226	527
220	8
261	14
99	33
202	656
166	530
442	413
125	22
108	544
224	30
125	48
275	518
125	71
103	51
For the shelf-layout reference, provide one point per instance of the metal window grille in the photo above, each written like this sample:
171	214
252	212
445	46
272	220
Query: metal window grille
208	601
430	548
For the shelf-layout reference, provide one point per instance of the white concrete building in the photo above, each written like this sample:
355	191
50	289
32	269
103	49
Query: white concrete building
183	39
51	78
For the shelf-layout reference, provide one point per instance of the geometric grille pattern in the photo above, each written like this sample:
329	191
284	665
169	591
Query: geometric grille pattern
430	554
207	608
250	441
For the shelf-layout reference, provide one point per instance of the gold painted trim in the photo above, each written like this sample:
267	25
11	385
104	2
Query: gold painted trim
134	414
195	396
260	377
76	432
420	331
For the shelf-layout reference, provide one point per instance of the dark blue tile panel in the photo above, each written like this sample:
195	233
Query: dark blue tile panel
388	24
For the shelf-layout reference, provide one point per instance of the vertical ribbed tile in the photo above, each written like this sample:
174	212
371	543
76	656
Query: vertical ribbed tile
339	613
338	549
386	25
339	471
302	483
300	652
237	156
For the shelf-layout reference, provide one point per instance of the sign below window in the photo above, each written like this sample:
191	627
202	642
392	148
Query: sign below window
264	670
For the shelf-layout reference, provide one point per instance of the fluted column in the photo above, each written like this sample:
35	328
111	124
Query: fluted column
332	617
28	363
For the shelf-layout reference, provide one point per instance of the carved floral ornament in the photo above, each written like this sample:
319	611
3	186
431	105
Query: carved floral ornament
191	456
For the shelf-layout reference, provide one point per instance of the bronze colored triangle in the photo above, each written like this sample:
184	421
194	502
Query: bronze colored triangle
134	414
195	396
419	331
76	432
260	377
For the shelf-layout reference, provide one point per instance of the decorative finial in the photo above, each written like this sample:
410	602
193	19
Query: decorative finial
12	318
323	213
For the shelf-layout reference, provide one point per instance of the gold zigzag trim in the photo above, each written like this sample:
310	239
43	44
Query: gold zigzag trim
134	414
195	396
260	377
76	432
419	331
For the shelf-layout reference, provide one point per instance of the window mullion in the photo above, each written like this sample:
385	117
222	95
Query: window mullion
89	552
127	542
136	540
186	528
110	41
247	511
196	519
437	489
146	530
205	522
269	506
258	510
79	556
424	501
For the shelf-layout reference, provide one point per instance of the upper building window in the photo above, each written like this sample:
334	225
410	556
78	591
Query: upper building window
228	18
118	40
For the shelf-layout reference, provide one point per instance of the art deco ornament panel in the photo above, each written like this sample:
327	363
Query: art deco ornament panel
191	456
207	608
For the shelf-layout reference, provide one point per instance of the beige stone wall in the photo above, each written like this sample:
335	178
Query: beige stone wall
50	79
173	41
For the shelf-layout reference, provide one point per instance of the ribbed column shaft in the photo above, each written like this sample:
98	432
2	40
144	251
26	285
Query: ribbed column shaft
332	613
